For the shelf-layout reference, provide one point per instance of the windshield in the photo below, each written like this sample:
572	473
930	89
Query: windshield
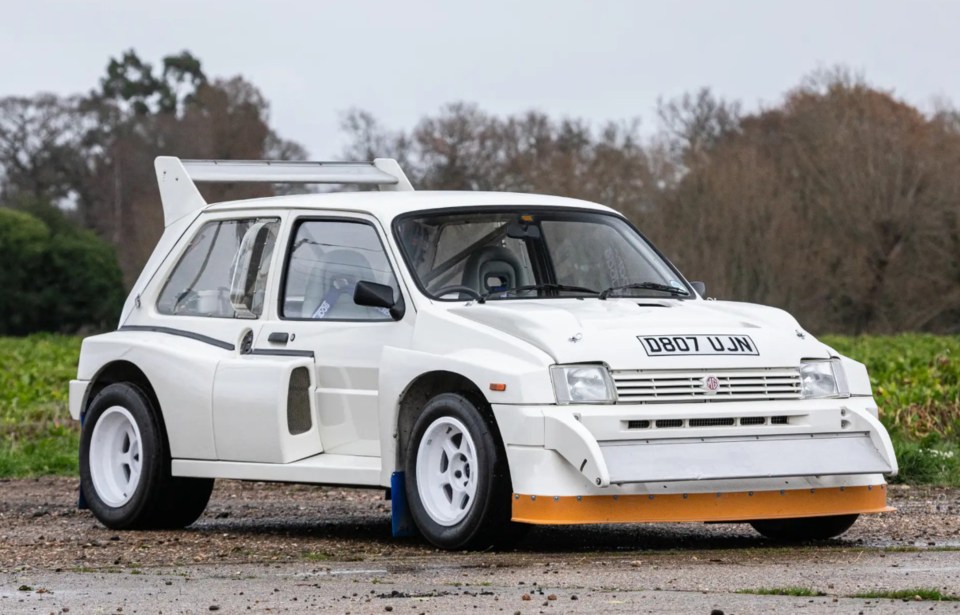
517	254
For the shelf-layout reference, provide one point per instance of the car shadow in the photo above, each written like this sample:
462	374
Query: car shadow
374	532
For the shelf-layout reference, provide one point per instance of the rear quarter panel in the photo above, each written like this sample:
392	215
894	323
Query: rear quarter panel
181	372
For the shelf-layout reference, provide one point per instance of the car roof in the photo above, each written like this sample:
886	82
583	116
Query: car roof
388	205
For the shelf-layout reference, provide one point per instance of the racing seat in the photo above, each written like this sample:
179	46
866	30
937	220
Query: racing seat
329	292
492	268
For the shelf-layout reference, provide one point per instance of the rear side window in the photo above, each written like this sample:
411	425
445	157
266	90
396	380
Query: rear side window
223	272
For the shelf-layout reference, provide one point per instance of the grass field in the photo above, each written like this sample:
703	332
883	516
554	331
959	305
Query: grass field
916	380
37	435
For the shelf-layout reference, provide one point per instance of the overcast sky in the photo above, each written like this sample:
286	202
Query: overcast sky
599	60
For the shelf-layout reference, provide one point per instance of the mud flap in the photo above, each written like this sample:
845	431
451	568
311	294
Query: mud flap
81	501
401	521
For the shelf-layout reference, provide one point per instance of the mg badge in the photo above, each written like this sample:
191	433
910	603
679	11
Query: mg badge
711	384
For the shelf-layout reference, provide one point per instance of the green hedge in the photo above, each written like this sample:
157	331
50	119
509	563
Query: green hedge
55	277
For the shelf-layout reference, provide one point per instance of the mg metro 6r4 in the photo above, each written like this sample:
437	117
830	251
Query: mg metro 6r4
493	359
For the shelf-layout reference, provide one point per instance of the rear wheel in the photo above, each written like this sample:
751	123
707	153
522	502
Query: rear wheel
125	466
807	528
457	479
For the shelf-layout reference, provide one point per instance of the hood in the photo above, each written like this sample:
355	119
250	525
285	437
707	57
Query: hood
589	330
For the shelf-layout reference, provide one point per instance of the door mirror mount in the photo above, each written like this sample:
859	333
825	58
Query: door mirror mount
700	287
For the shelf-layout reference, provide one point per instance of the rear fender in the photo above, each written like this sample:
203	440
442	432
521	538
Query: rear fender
181	371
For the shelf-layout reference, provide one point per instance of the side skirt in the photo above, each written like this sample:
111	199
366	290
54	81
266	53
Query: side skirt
325	468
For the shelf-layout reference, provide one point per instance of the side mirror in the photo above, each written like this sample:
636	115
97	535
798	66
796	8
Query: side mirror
376	295
700	287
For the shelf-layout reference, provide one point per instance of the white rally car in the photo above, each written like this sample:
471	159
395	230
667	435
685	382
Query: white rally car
492	359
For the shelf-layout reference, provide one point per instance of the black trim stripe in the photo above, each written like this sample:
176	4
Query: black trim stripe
180	333
282	352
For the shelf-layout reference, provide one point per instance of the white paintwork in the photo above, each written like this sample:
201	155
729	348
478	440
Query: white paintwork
225	411
564	433
178	193
347	369
249	411
348	361
116	456
360	173
77	393
447	471
328	468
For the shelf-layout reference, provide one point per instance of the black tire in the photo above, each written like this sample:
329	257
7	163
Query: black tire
488	520
158	499
807	528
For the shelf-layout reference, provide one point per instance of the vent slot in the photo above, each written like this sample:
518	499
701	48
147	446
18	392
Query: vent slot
779	420
298	402
638	424
717	422
753	420
667	423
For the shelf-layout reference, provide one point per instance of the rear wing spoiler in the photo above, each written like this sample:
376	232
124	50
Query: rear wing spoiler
177	178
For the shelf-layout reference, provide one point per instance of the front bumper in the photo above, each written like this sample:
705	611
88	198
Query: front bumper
697	462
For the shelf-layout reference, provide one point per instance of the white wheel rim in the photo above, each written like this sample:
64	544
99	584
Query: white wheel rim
447	471
115	456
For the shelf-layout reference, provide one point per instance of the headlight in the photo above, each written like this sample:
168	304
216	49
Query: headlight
582	384
819	379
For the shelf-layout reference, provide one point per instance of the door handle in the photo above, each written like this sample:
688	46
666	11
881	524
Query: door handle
278	338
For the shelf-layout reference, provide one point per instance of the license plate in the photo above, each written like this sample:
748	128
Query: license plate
665	345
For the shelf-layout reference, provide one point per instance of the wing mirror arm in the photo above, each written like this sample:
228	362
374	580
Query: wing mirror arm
700	287
371	294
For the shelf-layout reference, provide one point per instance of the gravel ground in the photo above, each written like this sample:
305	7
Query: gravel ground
293	548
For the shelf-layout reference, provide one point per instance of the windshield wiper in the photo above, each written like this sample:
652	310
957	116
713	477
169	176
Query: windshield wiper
544	286
673	290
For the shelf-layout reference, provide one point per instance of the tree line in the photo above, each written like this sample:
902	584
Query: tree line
841	203
80	168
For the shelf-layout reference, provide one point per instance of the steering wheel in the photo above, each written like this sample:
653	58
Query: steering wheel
457	289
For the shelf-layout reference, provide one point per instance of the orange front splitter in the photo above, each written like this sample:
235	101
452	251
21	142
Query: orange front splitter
735	506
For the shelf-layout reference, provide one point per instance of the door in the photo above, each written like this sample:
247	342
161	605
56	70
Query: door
316	315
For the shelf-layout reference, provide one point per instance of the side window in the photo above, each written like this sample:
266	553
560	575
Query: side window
327	259
223	272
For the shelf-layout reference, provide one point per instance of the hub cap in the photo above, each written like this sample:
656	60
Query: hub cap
115	456
447	471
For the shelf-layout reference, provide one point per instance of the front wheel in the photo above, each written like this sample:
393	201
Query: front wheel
125	466
807	528
457	479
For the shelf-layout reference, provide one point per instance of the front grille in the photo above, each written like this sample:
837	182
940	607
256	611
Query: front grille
639	387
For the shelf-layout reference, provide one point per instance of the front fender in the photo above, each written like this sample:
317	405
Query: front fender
526	383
